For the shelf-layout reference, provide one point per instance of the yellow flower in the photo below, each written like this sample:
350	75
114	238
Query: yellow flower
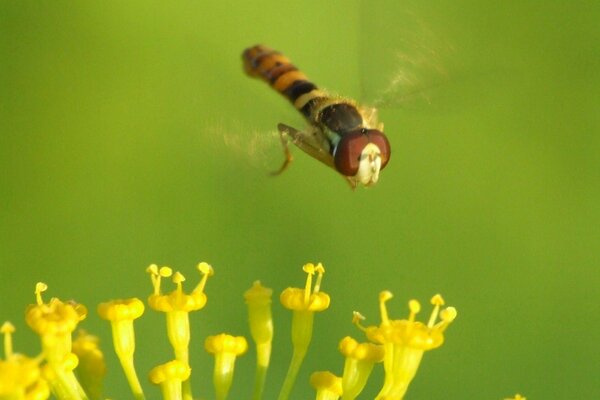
54	322
170	377
517	397
121	314
360	359
56	378
400	344
177	300
225	348
405	341
20	375
177	305
304	303
307	298
92	367
327	385
258	299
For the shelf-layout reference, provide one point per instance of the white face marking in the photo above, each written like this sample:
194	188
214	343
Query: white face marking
370	164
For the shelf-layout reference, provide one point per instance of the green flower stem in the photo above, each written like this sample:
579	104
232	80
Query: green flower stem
302	325
171	390
186	386
259	382
132	379
178	326
64	388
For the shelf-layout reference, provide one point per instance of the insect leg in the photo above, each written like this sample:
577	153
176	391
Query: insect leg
284	132
309	142
352	182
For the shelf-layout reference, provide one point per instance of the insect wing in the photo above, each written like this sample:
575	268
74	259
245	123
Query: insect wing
402	59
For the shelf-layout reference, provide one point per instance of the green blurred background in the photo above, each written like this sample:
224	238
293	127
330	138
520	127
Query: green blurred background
129	135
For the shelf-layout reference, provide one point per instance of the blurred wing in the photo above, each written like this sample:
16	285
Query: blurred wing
402	59
258	149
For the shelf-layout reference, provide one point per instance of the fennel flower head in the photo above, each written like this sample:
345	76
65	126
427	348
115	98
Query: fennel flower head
71	364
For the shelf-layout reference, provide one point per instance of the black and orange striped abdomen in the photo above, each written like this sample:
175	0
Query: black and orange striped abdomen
277	70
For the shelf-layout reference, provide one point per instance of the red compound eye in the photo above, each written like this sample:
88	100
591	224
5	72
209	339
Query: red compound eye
378	138
349	149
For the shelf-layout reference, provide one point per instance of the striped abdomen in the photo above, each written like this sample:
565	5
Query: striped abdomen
283	76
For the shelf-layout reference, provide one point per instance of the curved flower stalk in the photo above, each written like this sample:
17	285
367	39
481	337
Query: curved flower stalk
226	349
92	367
359	362
258	299
121	314
304	303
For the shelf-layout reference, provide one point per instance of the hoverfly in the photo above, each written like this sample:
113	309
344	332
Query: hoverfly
340	133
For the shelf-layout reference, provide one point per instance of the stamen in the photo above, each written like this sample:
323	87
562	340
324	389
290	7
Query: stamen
415	307
447	315
40	287
383	298
437	301
320	271
178	279
357	317
206	270
310	271
7	330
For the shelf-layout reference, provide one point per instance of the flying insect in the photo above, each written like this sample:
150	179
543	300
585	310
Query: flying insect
341	134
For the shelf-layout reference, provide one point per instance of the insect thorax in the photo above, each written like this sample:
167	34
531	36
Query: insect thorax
334	116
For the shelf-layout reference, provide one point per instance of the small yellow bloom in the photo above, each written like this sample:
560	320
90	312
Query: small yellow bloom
177	300
121	314
170	377
225	348
517	397
304	303
57	376
360	359
121	310
405	341
308	298
223	343
54	322
400	344
20	376
258	299
327	385
172	370
177	305
92	367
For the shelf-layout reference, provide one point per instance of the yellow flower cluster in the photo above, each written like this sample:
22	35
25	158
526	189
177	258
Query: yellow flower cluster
74	368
